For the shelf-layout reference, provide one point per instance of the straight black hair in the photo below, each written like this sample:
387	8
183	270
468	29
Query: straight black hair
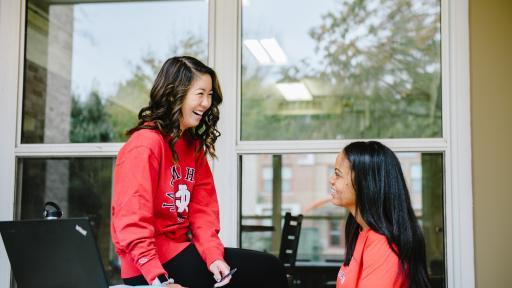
382	201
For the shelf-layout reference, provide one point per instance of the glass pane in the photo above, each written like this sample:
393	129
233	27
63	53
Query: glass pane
80	186
322	239
89	67
341	69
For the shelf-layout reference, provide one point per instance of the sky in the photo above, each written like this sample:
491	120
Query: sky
110	38
288	21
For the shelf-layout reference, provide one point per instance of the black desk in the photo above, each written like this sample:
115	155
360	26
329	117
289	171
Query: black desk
315	274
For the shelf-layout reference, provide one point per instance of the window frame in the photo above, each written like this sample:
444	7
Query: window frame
455	144
224	54
12	33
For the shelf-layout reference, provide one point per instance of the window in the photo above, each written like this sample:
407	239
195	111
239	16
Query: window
334	233
322	233
81	187
286	175
86	76
40	137
416	184
332	73
329	71
88	68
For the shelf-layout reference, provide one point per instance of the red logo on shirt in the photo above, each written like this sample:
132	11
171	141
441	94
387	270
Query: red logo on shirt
175	173
171	205
190	174
181	198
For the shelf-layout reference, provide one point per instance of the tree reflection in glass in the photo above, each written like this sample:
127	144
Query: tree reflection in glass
373	71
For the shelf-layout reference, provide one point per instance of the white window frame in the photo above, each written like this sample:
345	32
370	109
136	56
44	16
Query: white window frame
12	43
455	143
225	57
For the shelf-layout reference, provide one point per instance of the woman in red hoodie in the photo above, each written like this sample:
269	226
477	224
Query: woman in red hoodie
385	246
165	214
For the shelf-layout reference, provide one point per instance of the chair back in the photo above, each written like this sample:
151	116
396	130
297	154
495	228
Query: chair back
290	239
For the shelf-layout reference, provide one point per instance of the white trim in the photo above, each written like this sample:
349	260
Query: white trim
459	196
10	35
455	142
21	72
225	56
225	171
64	150
211	33
334	146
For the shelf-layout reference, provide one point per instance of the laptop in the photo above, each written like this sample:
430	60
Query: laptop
53	253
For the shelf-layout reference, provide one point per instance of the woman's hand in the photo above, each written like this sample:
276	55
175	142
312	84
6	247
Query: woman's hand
220	268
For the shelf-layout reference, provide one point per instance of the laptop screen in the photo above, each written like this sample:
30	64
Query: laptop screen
53	253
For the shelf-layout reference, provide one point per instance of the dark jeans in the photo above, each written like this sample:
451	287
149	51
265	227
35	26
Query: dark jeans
255	269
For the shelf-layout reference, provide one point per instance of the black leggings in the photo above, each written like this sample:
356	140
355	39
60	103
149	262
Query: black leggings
255	269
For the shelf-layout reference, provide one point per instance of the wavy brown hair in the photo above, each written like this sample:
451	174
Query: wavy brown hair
166	99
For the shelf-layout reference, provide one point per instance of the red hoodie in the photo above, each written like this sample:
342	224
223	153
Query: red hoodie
156	202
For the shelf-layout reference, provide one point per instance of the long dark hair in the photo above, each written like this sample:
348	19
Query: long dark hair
166	98
382	201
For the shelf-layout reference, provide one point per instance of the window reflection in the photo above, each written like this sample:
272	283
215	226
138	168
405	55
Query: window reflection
341	70
82	187
322	239
89	67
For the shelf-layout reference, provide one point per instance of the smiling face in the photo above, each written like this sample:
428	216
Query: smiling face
342	188
196	102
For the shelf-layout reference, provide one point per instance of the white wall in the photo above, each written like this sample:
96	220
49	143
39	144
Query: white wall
10	12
